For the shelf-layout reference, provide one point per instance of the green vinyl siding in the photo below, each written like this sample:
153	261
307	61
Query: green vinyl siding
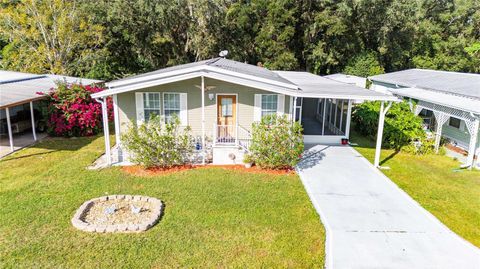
462	137
245	103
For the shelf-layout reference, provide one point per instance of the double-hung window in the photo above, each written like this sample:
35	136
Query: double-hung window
151	104
171	105
269	104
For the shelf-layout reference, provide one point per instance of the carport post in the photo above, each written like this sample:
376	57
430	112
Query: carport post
33	121
349	117
106	131
381	122
203	122
294	109
9	127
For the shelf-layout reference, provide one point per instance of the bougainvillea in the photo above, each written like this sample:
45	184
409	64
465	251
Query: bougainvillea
71	111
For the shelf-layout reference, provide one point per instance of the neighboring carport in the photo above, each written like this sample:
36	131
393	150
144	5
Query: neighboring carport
18	99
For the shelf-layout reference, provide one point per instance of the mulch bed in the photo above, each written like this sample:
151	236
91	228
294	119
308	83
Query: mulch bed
137	170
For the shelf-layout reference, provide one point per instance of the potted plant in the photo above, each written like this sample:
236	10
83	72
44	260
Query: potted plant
248	160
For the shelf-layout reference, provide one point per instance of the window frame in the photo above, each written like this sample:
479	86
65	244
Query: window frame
145	101
166	120
270	110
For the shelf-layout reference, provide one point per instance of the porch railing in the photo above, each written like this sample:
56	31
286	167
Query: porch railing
224	134
244	138
232	135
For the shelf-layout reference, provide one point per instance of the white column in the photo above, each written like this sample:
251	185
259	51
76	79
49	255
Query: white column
324	113
116	120
335	117
341	116
473	143
294	109
441	119
381	122
203	120
349	117
9	127
32	116
106	131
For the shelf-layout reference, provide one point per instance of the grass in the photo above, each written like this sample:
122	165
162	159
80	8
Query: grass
435	182
213	217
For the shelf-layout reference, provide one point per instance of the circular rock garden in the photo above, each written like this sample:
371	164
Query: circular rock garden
118	213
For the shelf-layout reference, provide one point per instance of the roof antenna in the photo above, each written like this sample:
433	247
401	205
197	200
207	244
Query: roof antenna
223	53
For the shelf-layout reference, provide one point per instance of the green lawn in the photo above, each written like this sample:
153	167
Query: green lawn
432	180
213	217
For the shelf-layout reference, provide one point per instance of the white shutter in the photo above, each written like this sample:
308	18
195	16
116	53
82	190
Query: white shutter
183	109
257	110
139	108
280	104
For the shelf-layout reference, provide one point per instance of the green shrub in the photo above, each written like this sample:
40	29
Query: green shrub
402	127
158	144
276	142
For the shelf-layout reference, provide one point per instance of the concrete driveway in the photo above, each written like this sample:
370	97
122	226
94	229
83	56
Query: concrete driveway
370	222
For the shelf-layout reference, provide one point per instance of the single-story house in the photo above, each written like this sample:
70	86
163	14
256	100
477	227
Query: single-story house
19	114
221	98
449	103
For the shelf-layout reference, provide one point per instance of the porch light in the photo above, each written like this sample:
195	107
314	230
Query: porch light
210	96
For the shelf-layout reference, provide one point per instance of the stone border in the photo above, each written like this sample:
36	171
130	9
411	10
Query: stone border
117	228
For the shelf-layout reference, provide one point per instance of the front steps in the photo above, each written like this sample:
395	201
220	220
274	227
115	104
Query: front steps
227	154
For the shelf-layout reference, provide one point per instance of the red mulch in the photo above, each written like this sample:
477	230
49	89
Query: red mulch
138	170
253	169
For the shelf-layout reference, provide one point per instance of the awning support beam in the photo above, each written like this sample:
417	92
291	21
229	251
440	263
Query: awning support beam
381	123
349	118
9	127
106	131
473	143
32	116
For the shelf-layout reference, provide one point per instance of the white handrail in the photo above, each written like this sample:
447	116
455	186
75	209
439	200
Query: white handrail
244	138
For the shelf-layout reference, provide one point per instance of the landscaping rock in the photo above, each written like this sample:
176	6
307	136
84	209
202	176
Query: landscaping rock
118	213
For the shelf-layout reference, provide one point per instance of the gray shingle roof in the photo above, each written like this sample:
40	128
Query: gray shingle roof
463	84
221	63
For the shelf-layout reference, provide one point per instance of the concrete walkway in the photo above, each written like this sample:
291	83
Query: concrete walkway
370	222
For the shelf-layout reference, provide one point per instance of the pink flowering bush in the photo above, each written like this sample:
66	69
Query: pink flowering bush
71	111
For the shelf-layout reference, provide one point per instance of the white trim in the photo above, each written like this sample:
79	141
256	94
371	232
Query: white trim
106	131
222	77
32	117
253	83
116	120
349	117
9	127
324	115
140	112
257	107
204	151
381	122
280	104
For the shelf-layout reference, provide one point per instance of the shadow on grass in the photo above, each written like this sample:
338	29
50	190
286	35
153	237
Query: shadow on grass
51	145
